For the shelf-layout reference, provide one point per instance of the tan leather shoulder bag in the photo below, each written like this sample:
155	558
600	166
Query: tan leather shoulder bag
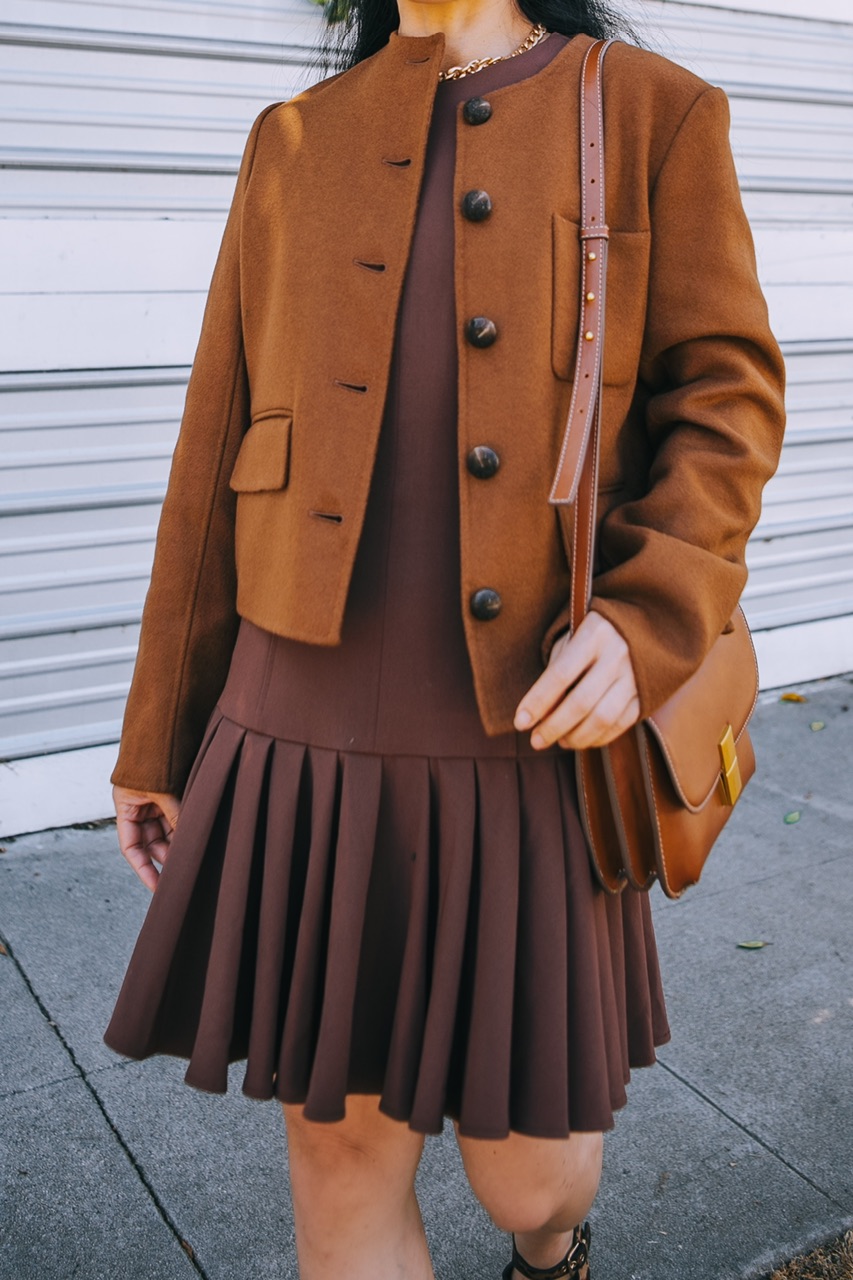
653	801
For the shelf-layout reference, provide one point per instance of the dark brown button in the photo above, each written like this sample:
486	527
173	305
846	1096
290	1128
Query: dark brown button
481	331
485	604
482	462
477	111
476	205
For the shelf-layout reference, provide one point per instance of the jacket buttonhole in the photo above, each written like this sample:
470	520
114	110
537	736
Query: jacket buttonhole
331	516
397	164
350	386
369	266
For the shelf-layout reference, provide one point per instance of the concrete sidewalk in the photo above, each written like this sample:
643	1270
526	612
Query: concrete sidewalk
734	1152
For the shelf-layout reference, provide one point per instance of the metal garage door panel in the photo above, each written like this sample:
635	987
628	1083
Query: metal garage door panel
235	22
800	557
76	541
769	56
133	193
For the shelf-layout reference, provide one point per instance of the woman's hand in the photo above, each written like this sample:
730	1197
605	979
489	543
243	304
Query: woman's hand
145	821
594	665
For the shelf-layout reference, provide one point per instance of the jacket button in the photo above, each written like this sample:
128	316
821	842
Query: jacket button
481	331
485	604
476	205
482	462
477	111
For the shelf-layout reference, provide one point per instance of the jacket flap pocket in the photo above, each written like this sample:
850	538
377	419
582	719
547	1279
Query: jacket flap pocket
690	725
565	294
625	303
628	259
263	459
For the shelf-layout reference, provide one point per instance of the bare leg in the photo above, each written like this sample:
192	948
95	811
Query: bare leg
538	1188
354	1200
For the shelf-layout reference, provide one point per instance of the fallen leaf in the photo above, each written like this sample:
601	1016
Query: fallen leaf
793	816
187	1247
752	946
817	724
793	697
3	951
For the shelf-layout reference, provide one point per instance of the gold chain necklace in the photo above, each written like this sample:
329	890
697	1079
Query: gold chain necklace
476	64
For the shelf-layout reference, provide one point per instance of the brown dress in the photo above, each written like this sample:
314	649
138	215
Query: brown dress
366	893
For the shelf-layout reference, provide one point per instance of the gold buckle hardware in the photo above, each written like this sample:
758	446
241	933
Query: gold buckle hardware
730	773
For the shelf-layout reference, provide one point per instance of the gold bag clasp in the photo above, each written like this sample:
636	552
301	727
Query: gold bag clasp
730	771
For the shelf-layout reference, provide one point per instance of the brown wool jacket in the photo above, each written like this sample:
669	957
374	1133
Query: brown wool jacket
285	399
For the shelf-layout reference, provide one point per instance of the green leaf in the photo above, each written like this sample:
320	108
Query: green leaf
817	724
793	816
752	946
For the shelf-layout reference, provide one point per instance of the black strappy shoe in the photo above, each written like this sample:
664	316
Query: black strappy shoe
575	1263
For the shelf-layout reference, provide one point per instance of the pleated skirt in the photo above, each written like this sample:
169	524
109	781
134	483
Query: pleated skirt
426	929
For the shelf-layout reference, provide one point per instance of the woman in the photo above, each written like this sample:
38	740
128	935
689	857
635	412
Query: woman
348	739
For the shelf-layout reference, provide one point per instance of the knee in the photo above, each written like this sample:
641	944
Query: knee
366	1145
529	1185
517	1209
333	1146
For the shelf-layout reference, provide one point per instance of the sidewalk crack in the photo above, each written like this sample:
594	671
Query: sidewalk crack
750	1133
81	1075
6	1094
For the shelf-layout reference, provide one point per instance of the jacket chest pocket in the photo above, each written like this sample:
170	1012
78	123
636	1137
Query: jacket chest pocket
625	304
263	459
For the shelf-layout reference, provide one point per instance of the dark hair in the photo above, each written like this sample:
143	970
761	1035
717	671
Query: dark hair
355	29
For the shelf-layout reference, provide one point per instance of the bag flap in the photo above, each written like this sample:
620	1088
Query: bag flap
690	724
264	455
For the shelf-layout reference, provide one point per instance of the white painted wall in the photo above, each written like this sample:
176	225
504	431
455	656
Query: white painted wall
121	125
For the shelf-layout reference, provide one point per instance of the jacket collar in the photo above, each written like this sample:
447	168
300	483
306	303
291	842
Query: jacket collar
413	63
410	63
415	49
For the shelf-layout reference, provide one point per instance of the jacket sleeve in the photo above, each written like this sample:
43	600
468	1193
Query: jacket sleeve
189	621
673	560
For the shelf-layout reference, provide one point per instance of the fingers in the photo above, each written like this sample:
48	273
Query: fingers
595	667
154	836
171	807
570	657
145	822
592	714
585	705
141	863
611	716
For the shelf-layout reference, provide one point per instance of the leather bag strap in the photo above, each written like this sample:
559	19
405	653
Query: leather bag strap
575	485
